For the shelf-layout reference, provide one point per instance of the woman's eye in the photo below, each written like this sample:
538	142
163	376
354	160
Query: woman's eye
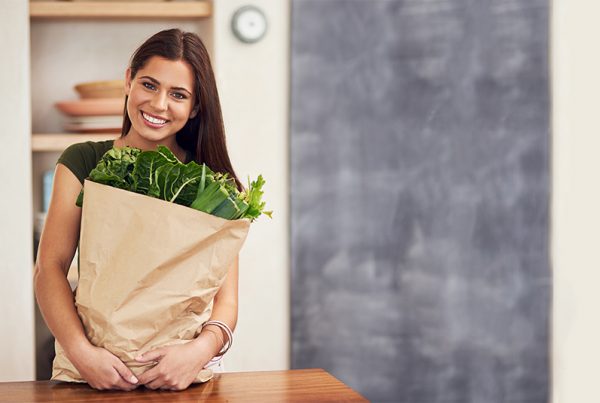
178	95
149	86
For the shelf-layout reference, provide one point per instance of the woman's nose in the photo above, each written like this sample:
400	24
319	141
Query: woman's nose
159	101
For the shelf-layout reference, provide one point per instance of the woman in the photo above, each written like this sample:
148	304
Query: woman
172	100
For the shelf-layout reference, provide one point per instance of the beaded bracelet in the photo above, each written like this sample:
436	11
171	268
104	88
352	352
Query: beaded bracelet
223	326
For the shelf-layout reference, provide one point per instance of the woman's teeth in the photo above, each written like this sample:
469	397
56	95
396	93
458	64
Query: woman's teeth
151	119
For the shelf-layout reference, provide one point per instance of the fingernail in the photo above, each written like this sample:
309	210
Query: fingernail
133	379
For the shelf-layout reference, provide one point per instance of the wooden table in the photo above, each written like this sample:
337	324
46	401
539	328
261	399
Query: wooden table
300	385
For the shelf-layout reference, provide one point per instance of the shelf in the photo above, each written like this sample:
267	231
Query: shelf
111	9
60	141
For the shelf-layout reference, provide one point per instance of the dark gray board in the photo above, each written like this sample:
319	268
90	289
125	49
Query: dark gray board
420	197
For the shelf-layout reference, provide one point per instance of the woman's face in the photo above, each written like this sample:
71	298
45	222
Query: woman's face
160	98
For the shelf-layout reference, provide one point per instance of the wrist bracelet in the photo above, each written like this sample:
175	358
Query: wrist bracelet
223	326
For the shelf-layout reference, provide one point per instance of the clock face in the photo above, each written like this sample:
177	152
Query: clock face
249	24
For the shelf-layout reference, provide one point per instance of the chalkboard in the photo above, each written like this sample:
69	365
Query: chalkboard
420	197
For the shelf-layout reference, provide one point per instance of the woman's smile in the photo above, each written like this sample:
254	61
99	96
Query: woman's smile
153	121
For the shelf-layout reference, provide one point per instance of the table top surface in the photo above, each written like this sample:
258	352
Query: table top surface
299	385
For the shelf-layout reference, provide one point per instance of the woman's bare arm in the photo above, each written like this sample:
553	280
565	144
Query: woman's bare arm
57	247
225	306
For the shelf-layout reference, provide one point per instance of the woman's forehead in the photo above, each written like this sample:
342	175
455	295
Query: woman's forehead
173	73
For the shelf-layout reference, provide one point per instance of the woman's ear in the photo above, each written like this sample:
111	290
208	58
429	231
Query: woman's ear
194	112
127	81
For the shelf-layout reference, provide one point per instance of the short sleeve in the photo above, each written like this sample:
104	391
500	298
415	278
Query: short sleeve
81	158
74	159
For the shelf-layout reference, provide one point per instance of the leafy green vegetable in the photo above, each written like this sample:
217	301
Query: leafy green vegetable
227	209
184	191
212	196
253	198
160	174
114	169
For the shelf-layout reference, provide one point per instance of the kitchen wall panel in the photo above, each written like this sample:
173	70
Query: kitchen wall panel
420	197
16	245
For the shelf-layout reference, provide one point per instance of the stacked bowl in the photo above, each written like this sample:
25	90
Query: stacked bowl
99	109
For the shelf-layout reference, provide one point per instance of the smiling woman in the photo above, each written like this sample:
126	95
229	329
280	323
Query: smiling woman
159	104
171	100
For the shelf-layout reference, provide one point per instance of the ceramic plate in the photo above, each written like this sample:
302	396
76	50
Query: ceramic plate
92	107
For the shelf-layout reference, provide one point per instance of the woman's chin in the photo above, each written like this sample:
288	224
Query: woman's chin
148	135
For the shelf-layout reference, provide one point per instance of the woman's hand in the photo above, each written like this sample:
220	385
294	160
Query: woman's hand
177	365
103	370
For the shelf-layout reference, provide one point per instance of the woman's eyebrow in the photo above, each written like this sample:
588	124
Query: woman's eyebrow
155	81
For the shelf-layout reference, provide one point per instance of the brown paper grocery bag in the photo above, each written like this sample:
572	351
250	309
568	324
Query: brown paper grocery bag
148	272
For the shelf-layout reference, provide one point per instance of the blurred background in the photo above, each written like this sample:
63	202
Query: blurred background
431	167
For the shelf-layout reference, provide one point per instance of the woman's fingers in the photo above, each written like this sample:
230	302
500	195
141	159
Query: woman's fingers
156	384
152	378
125	372
153	355
149	376
155	378
120	384
113	381
103	370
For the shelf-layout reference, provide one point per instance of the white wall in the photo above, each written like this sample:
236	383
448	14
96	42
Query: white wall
16	243
576	200
253	83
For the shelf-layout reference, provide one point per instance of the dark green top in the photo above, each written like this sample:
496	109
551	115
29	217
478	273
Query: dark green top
81	158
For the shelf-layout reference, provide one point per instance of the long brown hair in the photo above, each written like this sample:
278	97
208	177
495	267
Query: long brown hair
204	134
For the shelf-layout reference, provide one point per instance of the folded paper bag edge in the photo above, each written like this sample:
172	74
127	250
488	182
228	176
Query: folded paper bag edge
217	220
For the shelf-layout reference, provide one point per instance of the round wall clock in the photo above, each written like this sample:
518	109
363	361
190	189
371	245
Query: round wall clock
249	24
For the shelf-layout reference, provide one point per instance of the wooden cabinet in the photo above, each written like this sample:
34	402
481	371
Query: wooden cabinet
124	9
